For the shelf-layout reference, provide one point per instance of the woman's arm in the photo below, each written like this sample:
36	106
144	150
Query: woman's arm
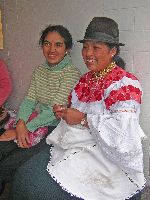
5	83
72	116
29	103
26	108
118	132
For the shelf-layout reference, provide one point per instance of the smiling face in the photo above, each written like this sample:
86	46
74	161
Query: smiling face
54	48
97	55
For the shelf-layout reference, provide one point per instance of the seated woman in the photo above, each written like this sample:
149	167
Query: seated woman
96	151
5	90
51	83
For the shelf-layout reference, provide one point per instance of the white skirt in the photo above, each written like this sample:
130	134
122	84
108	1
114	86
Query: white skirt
82	169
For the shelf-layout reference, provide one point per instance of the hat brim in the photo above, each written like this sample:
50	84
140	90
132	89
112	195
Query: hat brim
96	40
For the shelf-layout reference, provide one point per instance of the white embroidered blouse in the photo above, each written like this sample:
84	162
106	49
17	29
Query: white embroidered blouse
104	161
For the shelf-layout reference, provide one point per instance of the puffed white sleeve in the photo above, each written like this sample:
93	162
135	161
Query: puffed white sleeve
117	130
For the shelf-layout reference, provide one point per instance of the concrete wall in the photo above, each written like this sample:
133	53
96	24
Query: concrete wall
24	19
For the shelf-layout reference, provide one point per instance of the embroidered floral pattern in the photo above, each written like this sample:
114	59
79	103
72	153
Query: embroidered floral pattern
97	179
123	94
91	90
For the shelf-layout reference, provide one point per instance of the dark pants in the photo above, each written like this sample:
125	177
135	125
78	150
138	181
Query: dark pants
32	181
136	197
12	157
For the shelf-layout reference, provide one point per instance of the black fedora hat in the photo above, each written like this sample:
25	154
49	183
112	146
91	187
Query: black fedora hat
102	29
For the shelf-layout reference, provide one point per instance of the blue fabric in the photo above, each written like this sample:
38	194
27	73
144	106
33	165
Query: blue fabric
32	181
136	196
12	157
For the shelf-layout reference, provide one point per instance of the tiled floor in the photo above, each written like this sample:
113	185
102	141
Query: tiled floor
145	194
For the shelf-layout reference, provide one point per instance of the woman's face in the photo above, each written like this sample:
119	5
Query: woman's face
54	48
97	55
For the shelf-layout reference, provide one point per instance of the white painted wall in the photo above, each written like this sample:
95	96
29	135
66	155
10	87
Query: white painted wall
24	19
133	17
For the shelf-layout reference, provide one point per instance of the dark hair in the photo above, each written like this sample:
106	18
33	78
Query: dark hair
59	29
117	59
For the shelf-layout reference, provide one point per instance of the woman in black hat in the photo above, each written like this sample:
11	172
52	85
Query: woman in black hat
96	151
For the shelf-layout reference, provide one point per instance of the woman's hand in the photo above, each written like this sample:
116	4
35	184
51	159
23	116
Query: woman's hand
57	109
70	115
22	134
8	135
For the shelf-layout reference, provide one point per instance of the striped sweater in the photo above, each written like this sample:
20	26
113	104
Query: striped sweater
49	86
